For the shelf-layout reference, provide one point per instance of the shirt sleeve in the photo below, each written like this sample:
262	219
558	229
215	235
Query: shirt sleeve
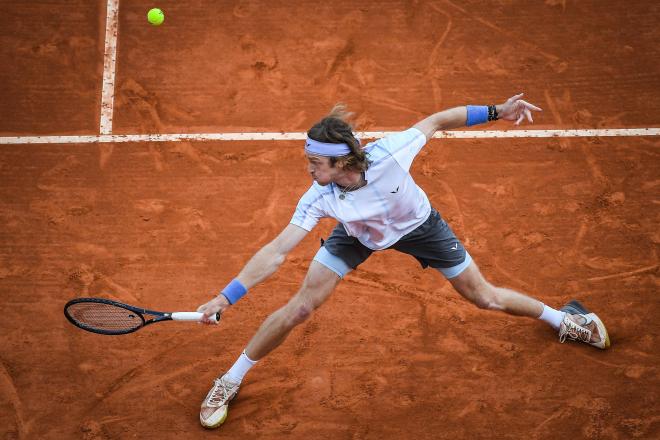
404	146
309	210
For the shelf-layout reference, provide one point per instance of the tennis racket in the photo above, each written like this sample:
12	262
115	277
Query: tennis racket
108	317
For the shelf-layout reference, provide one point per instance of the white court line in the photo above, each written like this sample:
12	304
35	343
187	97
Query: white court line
117	138
109	61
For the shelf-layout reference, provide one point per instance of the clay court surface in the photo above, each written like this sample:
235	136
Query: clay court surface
395	352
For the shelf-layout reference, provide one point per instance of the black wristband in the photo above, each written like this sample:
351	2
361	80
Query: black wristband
492	113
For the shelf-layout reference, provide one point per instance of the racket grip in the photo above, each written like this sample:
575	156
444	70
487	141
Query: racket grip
192	316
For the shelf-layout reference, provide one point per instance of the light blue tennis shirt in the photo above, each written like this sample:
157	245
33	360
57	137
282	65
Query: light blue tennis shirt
381	212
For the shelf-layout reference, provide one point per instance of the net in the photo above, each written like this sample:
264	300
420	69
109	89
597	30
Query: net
105	318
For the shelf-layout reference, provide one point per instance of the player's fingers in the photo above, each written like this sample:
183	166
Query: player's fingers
200	309
531	106
208	318
515	97
520	118
529	115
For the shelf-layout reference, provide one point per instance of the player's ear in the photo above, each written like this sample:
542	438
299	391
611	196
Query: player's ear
340	163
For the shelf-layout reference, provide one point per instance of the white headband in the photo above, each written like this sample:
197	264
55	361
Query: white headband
326	149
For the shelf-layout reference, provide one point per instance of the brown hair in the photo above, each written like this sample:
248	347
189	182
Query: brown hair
335	128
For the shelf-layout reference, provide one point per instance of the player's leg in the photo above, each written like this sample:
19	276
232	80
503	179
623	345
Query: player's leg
434	244
317	287
338	256
471	284
573	321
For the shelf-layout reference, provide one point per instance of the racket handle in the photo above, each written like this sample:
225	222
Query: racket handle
192	316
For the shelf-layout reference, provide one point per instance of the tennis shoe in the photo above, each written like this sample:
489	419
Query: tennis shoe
579	324
215	406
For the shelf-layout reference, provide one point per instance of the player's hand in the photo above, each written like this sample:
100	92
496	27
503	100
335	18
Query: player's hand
216	305
516	109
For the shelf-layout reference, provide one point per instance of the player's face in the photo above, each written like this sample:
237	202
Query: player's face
321	170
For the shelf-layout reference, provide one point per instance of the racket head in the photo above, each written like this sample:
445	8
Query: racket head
103	316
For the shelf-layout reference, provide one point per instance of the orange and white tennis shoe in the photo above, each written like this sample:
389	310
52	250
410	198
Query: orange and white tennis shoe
216	405
579	324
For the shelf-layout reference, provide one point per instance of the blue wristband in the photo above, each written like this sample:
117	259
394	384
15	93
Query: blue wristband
234	291
477	114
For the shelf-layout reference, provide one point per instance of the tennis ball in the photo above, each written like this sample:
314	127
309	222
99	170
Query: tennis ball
155	16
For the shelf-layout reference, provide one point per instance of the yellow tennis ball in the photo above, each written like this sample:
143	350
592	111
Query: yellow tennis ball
155	16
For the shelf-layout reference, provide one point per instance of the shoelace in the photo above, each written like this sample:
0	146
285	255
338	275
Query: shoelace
220	393
573	331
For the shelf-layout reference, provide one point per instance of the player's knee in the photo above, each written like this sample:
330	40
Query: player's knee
298	313
486	297
302	313
483	302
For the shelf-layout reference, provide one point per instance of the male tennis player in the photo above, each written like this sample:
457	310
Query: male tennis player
372	195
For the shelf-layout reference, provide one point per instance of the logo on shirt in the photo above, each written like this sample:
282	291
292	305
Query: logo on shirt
395	191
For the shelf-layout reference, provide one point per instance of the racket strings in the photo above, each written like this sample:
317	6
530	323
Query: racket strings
105	317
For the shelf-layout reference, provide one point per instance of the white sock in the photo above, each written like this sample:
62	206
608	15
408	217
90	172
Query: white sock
240	368
552	316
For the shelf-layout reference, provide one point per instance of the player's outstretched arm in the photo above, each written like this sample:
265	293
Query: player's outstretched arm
513	109
261	266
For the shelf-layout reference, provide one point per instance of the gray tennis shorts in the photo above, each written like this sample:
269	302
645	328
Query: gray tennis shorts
432	243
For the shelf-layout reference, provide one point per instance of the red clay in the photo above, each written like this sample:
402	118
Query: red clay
394	353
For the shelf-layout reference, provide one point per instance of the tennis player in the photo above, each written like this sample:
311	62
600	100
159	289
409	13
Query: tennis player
370	192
